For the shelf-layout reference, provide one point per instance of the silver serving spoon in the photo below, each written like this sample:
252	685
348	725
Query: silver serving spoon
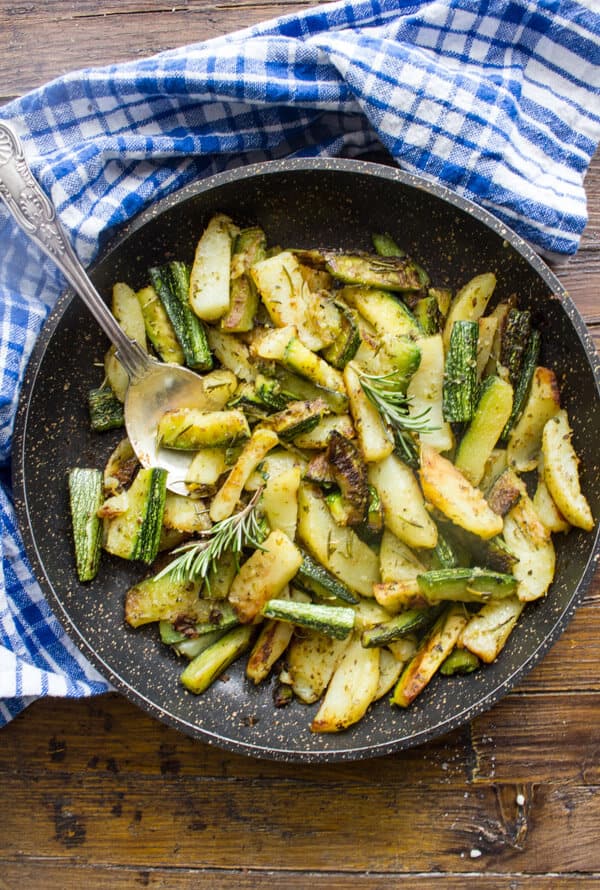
154	387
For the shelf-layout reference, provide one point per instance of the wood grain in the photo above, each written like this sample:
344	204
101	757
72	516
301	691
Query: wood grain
96	793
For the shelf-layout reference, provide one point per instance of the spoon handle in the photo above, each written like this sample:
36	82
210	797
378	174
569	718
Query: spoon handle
35	214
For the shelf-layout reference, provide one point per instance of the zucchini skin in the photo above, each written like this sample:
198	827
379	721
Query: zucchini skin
296	418
159	329
411	621
86	496
523	384
333	621
465	585
106	411
390	272
209	664
515	337
460	373
460	661
317	579
148	539
171	282
347	343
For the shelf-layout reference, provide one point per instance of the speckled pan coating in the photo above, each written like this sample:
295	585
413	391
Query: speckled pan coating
299	203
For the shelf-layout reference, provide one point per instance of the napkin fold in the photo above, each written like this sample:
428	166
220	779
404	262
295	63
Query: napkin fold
497	99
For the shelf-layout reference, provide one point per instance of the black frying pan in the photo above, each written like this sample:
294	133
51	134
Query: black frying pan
299	203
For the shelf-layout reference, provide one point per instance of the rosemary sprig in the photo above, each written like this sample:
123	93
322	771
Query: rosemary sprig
196	558
387	393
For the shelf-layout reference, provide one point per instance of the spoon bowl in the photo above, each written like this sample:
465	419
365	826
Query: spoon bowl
163	387
154	387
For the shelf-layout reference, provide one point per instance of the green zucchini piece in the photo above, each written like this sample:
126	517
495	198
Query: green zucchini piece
385	245
470	302
349	471
190	648
296	388
172	283
523	384
135	533
159	329
222	618
427	314
446	552
388	315
269	392
203	670
489	419
189	429
332	621
348	340
390	272
247	399
106	411
459	394
250	247
296	418
375	515
282	345
314	577
465	585
515	337
411	621
460	661
86	497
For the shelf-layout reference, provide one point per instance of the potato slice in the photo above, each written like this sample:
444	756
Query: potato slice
336	547
561	472
264	575
425	393
280	501
351	689
374	440
284	293
431	654
404	510
210	273
488	630
397	561
258	445
530	541
390	669
312	659
547	510
543	403
447	489
470	302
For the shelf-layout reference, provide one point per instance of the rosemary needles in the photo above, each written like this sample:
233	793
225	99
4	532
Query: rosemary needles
387	393
195	559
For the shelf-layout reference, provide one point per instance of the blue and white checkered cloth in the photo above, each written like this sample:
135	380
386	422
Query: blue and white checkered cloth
498	99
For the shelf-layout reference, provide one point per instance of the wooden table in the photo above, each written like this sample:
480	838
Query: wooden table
97	794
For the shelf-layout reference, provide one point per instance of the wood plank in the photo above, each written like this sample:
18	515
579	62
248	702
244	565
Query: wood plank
386	828
548	738
92	36
108	737
572	662
52	877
